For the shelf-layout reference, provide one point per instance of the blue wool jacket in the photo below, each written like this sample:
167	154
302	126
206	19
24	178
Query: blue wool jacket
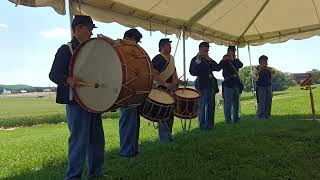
229	73
60	71
203	71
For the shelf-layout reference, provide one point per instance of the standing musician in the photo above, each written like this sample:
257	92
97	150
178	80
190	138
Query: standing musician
166	76
86	131
264	88
202	66
129	123
231	86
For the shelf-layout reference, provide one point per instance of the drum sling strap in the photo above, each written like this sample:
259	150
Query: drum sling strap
70	89
169	70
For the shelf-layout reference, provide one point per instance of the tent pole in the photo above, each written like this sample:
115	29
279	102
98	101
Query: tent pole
175	51
70	17
252	83
184	53
239	77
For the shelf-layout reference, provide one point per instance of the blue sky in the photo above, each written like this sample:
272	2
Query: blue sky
30	37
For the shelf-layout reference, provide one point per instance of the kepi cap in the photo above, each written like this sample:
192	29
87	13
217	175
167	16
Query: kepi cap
204	44
133	33
83	20
164	41
232	48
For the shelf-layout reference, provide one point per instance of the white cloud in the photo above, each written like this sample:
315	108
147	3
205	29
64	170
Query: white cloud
57	32
3	27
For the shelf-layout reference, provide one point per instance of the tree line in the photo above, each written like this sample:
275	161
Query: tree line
280	81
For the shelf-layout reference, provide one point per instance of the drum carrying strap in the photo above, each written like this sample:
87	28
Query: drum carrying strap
169	70
70	89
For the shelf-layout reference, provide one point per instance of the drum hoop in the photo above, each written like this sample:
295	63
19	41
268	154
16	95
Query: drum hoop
187	97
145	115
160	104
71	68
154	119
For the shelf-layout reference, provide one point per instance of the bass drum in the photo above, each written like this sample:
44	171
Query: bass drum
113	74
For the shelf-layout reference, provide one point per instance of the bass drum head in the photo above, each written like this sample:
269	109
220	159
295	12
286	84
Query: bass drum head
95	61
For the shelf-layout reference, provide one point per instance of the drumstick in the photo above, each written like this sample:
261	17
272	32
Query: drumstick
83	83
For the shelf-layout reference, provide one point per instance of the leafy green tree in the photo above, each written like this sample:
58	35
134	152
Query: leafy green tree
316	72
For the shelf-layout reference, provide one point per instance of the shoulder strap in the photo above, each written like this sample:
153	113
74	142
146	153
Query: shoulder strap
169	70
70	89
70	48
235	70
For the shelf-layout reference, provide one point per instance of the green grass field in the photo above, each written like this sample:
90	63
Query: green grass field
286	147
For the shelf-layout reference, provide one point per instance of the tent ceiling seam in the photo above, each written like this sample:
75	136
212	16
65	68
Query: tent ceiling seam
315	8
149	18
281	34
156	4
256	28
227	12
196	17
254	18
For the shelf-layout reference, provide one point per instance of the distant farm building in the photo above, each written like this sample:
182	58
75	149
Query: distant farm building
5	91
47	90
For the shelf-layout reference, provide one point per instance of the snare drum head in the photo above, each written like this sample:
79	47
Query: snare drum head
96	61
161	96
187	93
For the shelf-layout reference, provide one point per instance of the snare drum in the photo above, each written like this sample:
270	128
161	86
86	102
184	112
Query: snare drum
187	103
115	74
158	106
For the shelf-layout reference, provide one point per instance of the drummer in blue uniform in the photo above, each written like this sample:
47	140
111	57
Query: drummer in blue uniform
86	139
166	76
129	123
202	66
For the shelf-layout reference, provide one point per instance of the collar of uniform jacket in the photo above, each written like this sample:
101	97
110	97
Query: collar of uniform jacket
75	43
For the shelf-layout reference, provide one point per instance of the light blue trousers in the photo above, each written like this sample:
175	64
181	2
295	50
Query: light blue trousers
165	130
231	101
129	127
207	109
264	98
86	140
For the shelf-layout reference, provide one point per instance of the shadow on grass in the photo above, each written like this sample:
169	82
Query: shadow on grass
240	151
288	117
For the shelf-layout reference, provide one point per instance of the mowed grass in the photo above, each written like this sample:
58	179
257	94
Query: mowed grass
286	147
29	111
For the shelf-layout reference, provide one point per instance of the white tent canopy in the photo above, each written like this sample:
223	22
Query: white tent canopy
225	22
